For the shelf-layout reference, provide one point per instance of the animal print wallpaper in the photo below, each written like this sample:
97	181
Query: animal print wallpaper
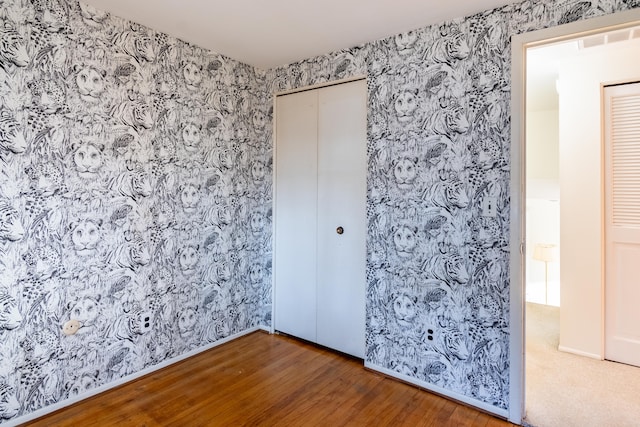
135	196
438	151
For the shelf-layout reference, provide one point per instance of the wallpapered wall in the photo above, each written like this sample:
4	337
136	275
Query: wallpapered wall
135	184
134	197
438	149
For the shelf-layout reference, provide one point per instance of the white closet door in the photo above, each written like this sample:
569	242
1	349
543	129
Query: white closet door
295	209
342	203
622	223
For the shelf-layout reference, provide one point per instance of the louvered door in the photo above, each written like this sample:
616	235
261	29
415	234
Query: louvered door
622	223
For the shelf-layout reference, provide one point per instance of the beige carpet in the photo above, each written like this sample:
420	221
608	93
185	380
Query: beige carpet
564	390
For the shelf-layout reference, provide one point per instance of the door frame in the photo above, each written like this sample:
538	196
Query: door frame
274	122
519	44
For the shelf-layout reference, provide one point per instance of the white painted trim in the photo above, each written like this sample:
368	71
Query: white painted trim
503	413
71	401
517	236
584	28
579	352
519	44
318	86
274	151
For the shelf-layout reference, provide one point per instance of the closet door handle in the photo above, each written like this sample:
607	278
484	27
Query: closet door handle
339	230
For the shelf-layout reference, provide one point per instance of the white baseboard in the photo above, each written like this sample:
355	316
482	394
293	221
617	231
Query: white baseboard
503	413
266	328
579	352
71	401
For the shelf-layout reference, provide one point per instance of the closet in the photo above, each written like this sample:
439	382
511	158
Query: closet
320	216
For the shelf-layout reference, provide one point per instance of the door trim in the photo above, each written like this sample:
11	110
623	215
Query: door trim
318	86
519	45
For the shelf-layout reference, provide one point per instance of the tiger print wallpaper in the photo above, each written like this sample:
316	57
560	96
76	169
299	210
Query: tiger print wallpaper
438	151
135	196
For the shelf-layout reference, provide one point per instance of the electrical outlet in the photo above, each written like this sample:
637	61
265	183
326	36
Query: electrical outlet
146	319
430	334
490	206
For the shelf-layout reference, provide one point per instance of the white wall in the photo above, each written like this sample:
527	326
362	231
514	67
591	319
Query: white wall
543	211
581	213
542	145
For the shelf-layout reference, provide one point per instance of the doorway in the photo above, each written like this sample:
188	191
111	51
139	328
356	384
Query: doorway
563	344
520	255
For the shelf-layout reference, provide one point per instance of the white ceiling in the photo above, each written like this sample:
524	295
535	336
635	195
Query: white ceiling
270	33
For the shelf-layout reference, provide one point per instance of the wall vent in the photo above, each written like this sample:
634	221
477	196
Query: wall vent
607	38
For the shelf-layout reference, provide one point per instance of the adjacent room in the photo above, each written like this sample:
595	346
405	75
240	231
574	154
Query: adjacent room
326	187
562	348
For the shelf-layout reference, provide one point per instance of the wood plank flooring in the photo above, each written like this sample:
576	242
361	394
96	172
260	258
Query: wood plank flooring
267	380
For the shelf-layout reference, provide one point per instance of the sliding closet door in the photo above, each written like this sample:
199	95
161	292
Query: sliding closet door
342	217
295	214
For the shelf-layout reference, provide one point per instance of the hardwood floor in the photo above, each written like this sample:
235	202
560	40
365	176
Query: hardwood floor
267	380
